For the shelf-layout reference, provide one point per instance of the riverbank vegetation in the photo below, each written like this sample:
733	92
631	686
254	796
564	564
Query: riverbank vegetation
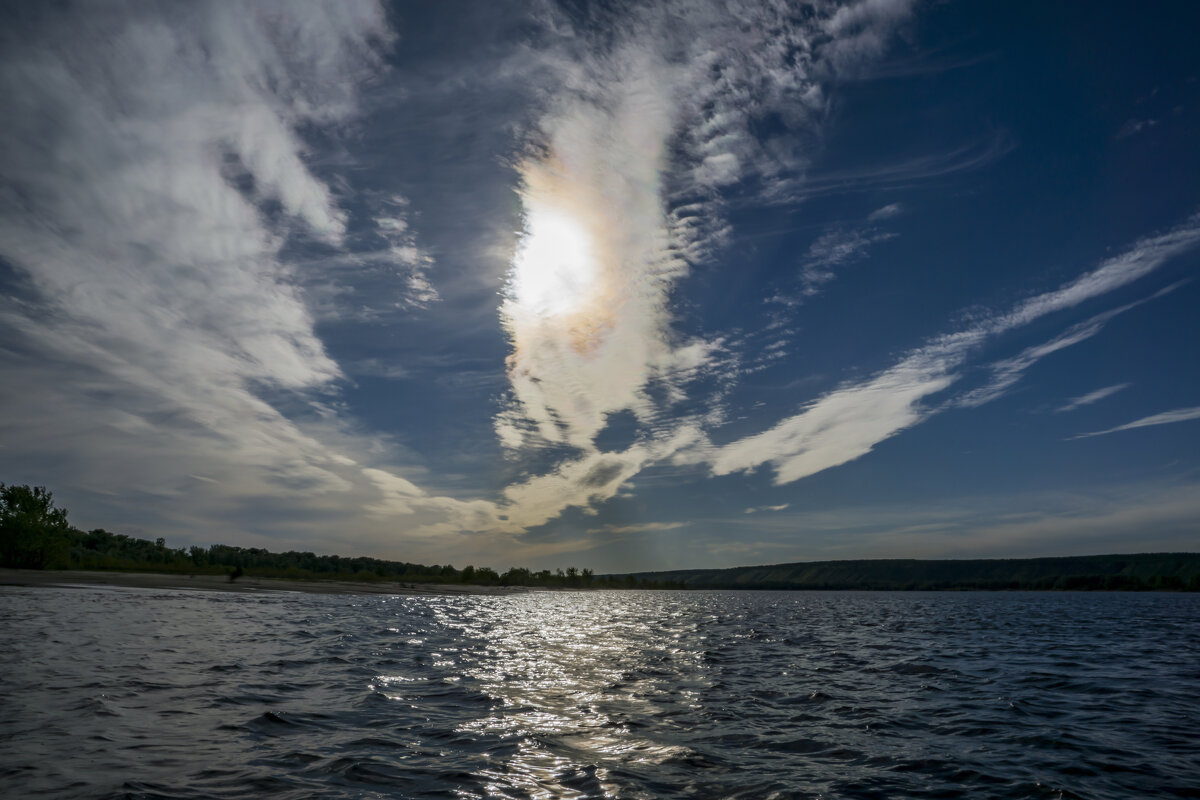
1133	572
35	534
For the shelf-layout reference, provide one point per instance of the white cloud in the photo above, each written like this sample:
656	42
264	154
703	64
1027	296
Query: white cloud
845	424
1006	373
622	194
1142	258
1165	418
886	212
154	172
758	509
849	422
646	216
1092	397
404	254
642	527
835	249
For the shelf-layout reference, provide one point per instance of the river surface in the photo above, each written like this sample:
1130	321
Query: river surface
136	693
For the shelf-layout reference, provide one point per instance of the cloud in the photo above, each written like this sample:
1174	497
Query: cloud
644	527
757	509
1165	418
642	131
1135	126
646	133
1145	256
156	180
845	424
180	247
841	246
886	212
906	172
402	251
177	246
1092	397
588	479
852	420
1006	373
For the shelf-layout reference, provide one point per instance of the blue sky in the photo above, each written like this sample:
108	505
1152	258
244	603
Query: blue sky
627	286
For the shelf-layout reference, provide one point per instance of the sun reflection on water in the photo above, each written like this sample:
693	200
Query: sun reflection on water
572	683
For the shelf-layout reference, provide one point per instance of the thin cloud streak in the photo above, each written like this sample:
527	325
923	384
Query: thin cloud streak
897	175
1165	418
842	246
1091	397
1006	373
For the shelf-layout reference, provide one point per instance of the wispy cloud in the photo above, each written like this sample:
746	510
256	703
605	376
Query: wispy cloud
835	249
898	174
886	212
157	174
758	509
842	246
1165	418
1135	126
643	527
1007	372
849	422
1092	397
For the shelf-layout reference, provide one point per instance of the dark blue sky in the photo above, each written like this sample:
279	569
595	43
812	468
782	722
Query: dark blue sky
628	286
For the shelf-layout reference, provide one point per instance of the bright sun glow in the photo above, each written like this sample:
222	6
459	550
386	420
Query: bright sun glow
554	270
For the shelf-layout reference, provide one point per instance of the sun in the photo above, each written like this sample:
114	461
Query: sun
555	271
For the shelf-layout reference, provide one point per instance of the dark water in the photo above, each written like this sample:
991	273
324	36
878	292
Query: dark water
149	694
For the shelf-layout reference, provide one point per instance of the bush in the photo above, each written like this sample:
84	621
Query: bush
34	533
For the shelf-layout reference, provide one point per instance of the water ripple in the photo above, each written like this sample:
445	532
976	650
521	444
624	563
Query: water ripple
145	694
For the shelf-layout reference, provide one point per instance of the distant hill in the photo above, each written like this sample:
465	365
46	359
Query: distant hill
1141	571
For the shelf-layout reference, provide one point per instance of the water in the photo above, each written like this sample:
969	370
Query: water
131	693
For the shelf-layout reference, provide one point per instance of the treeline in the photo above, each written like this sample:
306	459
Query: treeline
35	534
1137	572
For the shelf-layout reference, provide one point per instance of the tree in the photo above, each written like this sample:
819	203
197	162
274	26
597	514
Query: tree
34	533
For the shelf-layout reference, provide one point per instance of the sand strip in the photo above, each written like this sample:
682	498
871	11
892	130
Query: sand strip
244	584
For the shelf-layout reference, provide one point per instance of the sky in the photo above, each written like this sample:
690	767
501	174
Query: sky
625	286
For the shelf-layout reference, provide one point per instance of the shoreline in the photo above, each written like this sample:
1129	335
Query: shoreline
247	584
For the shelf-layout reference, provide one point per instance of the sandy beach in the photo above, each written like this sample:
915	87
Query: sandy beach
221	583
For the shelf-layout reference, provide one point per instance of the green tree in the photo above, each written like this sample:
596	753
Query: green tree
34	533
